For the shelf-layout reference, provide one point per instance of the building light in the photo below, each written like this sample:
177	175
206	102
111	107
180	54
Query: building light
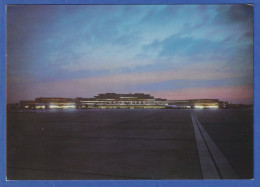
54	106
40	107
207	106
199	107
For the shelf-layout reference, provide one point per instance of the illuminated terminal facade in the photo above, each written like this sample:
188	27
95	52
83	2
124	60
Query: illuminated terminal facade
197	104
120	101
49	103
113	100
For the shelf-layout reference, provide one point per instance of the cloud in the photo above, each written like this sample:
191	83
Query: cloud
234	14
68	50
85	38
178	84
86	87
177	45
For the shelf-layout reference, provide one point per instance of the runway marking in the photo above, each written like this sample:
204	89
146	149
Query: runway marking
208	168
214	165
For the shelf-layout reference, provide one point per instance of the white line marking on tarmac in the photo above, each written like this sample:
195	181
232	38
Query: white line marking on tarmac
208	168
223	165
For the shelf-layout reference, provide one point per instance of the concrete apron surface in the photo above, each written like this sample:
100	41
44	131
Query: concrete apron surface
214	165
118	144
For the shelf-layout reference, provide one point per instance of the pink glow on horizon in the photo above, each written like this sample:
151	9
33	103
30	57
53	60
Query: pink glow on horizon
236	94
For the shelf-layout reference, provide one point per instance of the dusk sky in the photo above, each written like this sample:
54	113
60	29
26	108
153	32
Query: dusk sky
172	52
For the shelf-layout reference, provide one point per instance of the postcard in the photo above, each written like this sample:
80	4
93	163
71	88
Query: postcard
129	92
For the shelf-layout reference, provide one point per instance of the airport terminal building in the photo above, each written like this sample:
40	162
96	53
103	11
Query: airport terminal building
113	100
197	103
120	101
49	103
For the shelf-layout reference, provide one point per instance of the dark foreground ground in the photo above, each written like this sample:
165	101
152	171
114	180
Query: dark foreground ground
122	144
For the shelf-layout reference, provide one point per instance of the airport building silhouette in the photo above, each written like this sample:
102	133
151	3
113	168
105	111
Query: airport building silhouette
119	101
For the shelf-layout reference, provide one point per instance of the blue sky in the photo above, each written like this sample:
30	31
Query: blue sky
174	51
